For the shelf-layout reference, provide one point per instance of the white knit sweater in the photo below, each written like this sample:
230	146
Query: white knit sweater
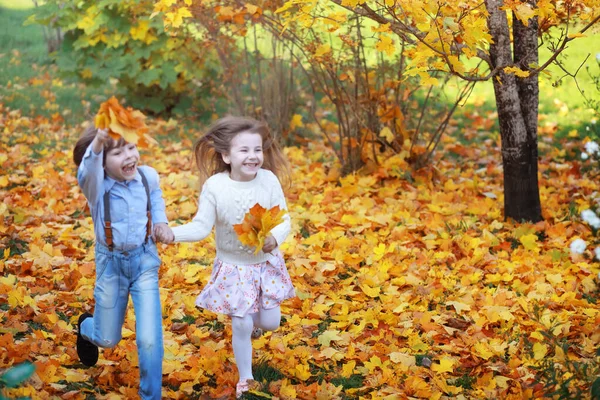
224	203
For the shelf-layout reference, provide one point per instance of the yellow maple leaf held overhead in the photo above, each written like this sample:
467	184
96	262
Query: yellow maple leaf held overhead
122	122
257	225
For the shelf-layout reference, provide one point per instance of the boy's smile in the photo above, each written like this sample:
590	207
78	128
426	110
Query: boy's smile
121	162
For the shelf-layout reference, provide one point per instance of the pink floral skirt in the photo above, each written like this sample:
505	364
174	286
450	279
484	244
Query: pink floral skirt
243	289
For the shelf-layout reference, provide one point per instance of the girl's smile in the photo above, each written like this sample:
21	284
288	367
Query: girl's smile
245	157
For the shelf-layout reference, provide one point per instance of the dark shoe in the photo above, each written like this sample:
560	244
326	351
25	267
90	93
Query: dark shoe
86	350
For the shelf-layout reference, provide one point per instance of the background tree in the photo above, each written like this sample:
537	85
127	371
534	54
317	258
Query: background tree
363	103
448	35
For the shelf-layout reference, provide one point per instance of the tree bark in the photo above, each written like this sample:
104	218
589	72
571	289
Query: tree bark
517	105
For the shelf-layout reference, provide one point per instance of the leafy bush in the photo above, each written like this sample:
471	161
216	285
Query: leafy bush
115	39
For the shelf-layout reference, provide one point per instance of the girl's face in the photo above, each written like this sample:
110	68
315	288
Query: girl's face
121	162
245	156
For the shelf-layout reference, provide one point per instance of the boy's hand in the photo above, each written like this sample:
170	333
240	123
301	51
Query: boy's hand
163	233
101	139
270	244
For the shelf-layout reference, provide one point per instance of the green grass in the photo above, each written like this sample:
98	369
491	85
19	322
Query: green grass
17	4
30	81
20	45
560	102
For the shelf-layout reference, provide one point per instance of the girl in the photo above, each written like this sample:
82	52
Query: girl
125	200
245	286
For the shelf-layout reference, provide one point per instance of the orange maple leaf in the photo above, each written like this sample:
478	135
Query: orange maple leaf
123	122
257	224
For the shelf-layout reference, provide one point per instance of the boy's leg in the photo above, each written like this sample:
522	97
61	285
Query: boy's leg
111	296
269	320
148	326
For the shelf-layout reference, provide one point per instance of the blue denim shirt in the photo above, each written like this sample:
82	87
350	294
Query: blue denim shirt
127	201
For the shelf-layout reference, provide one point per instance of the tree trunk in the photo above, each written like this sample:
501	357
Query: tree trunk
517	104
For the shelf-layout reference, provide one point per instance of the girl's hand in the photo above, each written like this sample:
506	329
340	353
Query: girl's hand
101	139
163	233
270	244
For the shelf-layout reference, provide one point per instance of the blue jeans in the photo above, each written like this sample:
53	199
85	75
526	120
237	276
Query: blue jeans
117	275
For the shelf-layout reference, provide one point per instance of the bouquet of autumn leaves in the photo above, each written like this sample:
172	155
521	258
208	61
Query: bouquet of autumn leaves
123	122
257	225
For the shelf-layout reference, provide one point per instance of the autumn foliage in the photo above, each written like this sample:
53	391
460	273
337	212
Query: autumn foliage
122	122
407	288
257	224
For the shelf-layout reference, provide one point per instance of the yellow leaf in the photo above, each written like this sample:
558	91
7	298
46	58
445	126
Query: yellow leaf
257	225
524	13
129	134
322	50
371	292
502	381
252	9
428	80
446	365
529	241
576	35
482	349
348	368
86	73
296	122
386	44
403	358
381	28
537	335
302	372
387	134
458	306
87	23
287	391
122	122
139	32
517	71
176	18
554	279
352	3
379	252
326	337
374	362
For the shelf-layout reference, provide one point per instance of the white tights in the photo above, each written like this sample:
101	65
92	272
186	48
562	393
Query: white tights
267	320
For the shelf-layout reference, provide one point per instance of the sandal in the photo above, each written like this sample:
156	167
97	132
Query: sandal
243	386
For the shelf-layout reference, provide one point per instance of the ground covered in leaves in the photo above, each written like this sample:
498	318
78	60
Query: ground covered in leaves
410	284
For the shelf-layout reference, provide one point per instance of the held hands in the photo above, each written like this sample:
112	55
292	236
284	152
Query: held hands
270	244
162	233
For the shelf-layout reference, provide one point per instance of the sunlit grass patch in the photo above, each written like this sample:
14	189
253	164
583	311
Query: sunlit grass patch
17	4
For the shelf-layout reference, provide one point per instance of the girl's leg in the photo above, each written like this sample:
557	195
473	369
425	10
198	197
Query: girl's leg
148	326
242	345
111	296
268	320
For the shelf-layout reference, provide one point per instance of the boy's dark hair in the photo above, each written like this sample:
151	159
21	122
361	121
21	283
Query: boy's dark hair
86	139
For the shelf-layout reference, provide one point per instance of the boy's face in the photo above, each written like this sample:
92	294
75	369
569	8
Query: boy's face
121	162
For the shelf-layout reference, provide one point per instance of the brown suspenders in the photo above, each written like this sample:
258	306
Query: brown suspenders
107	222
